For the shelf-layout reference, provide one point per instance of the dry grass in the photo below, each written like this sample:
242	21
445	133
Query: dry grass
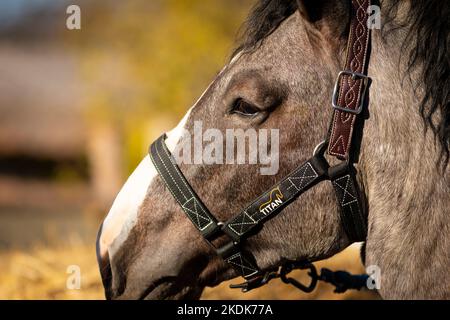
41	274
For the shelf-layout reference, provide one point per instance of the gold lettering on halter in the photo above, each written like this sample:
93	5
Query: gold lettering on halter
275	200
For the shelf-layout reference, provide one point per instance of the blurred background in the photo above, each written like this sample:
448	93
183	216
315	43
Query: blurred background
78	109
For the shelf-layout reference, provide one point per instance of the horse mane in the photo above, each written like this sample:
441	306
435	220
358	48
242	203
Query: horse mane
265	17
429	32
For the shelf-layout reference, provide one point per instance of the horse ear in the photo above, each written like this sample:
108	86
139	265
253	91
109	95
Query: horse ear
311	10
324	14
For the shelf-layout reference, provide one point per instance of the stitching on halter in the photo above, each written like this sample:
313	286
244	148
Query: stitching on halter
242	224
173	180
241	263
346	191
197	207
304	178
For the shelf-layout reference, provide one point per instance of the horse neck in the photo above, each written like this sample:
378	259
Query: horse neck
407	194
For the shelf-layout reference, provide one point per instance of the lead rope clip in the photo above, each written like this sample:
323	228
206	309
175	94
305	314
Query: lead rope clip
286	269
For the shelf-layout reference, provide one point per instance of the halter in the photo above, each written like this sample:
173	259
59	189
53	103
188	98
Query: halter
348	101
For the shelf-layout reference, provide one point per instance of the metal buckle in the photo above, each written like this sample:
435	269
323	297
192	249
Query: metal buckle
282	273
256	282
320	148
355	76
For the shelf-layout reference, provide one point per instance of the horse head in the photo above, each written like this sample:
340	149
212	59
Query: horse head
281	77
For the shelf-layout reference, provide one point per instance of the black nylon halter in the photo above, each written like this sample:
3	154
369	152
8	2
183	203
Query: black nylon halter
253	216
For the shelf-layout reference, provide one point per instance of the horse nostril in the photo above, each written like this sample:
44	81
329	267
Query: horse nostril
106	275
104	267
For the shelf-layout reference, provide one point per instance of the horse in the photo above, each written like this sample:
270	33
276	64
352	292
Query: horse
281	75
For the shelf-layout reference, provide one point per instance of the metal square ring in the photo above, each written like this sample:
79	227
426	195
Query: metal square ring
336	91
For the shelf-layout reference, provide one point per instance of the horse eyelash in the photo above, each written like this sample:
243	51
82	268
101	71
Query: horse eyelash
235	105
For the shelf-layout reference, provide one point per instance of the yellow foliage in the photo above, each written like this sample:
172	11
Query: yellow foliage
151	59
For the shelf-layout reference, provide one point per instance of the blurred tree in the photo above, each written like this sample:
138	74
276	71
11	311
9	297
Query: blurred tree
146	62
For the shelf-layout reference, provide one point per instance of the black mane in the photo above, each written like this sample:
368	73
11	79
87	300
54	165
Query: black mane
264	18
430	32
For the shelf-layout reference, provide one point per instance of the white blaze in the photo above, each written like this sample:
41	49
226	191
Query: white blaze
123	214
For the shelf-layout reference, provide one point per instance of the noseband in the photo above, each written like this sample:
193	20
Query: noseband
348	101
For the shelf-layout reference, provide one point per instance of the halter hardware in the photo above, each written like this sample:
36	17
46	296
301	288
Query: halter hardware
354	76
341	280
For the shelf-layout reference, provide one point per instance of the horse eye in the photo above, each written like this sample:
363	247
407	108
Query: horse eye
244	108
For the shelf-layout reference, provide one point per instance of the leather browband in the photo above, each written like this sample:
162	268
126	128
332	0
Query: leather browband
351	85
